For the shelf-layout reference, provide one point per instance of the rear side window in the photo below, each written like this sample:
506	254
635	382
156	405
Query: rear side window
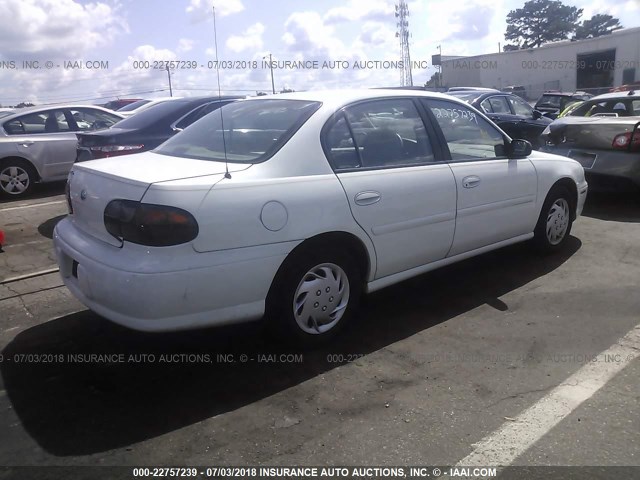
51	121
468	135
253	131
378	134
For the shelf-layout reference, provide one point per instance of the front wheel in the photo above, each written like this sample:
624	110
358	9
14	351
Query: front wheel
554	224
316	295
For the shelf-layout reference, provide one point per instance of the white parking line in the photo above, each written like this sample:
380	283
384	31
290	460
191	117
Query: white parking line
504	445
32	205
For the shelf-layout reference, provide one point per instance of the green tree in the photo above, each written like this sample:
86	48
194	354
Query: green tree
25	104
434	81
597	26
541	21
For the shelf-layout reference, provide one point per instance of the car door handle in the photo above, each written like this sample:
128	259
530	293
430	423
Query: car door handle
26	143
471	181
367	198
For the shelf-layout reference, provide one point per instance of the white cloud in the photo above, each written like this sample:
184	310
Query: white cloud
52	29
361	10
202	9
251	38
185	45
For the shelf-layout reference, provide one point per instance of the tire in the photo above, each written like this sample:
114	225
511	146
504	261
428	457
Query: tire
316	294
555	221
17	177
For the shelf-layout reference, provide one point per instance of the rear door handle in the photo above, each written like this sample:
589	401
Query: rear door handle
471	181
367	198
26	143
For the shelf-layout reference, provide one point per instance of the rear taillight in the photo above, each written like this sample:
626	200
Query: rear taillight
114	150
624	142
146	224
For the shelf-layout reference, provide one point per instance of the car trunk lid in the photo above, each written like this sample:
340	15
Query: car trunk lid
92	185
588	132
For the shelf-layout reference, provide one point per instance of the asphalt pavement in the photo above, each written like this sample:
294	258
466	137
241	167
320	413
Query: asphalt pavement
511	355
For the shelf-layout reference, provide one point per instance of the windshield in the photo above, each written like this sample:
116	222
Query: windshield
253	131
550	101
133	106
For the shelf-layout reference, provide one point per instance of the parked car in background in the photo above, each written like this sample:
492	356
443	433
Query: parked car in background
603	135
295	204
142	105
38	144
474	89
551	104
510	112
618	104
626	88
518	90
149	128
119	103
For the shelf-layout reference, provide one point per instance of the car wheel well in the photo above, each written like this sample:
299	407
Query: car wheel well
22	159
330	240
570	185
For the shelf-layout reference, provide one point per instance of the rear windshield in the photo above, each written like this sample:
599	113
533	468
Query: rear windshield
553	101
468	96
253	131
154	113
133	106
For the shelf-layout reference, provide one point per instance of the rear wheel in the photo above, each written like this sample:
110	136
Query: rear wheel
17	177
317	293
554	224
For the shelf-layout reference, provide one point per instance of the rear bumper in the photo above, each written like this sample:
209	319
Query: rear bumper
622	168
209	289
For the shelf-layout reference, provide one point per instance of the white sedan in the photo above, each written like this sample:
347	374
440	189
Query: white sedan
294	205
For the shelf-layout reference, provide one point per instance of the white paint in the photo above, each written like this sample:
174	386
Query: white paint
32	205
511	440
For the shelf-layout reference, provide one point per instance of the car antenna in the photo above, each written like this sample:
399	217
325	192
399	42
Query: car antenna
224	143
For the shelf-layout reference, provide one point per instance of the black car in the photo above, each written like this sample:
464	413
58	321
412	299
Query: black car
552	103
148	129
510	112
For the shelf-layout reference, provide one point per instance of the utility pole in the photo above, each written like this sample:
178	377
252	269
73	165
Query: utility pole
169	75
273	86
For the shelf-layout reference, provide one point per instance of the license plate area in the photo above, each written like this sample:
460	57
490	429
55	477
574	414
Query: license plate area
587	160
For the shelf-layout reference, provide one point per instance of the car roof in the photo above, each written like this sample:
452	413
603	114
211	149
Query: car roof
350	95
620	95
42	108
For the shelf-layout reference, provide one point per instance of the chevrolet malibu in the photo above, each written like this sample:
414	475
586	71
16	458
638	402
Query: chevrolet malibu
291	207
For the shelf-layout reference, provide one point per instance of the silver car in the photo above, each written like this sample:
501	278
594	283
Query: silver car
603	134
39	144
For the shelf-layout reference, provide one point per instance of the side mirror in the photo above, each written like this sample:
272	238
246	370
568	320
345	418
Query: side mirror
537	114
519	148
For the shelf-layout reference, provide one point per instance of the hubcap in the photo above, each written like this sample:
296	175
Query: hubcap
557	221
321	298
14	180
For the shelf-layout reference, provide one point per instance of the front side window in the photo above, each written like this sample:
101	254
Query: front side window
90	119
253	131
50	121
520	107
499	105
468	135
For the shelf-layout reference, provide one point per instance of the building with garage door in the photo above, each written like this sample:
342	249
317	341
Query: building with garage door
594	65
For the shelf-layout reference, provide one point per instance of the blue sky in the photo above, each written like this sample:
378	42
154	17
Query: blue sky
122	32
